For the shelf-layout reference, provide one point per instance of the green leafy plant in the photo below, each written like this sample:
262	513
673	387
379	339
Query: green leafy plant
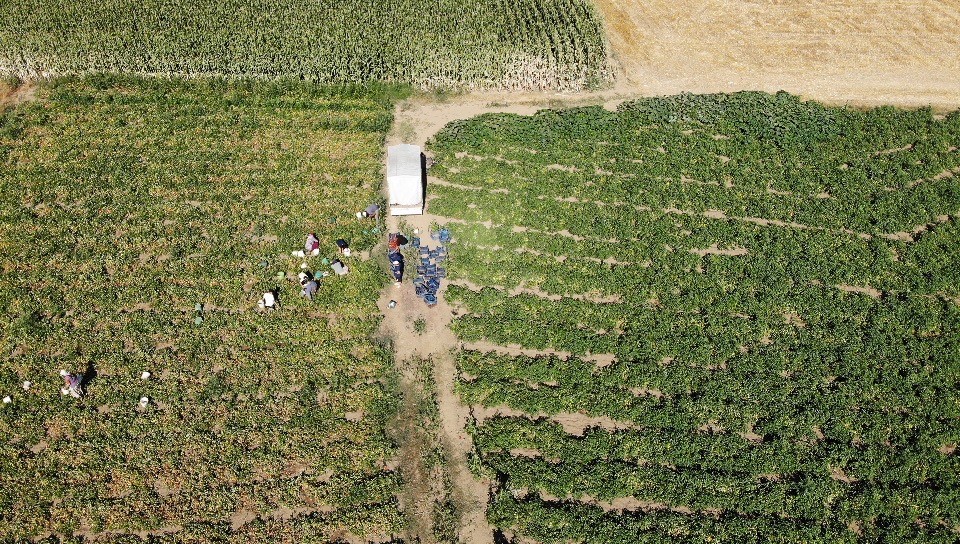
420	325
440	45
134	200
744	300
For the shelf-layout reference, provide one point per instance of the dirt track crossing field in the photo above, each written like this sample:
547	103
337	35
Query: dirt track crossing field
864	51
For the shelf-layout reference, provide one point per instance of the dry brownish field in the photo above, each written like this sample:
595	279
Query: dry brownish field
852	51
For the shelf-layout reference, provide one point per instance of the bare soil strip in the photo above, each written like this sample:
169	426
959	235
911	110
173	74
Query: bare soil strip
521	289
13	95
715	250
469	493
719	215
573	423
600	359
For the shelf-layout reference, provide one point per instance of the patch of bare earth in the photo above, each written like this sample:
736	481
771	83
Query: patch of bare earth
631	504
514	350
573	423
869	291
715	250
241	517
839	475
12	95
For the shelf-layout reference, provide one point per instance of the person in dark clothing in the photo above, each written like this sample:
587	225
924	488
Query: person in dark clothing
308	284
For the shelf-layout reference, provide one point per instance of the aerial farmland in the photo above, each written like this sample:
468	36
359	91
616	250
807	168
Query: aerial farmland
672	272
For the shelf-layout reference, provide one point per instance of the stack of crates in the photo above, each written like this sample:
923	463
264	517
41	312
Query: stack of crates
429	273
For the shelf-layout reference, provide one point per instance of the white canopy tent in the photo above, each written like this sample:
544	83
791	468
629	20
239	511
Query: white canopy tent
405	179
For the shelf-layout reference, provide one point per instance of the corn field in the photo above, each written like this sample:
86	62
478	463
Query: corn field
504	44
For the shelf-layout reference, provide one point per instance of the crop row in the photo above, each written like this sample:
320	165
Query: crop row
586	218
876	171
920	325
663	263
811	497
143	221
861	404
726	453
663	249
529	44
565	521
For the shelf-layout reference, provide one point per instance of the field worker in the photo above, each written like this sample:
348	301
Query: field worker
269	301
344	247
308	285
371	211
309	289
339	268
72	384
312	245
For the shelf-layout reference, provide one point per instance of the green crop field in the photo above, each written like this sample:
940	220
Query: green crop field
130	208
730	318
513	44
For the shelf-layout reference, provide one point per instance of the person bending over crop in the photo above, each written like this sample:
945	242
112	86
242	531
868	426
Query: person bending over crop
371	211
308	285
72	384
312	244
268	301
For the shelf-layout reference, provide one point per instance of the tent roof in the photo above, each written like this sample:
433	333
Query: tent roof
403	160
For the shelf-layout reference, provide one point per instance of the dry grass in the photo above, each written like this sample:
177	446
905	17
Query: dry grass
864	51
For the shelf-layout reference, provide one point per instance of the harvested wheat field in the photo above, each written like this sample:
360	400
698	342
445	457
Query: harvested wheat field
864	51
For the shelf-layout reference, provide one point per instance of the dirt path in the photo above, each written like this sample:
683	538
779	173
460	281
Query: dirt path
437	342
12	95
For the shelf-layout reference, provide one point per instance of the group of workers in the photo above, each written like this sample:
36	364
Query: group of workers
309	281
73	383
